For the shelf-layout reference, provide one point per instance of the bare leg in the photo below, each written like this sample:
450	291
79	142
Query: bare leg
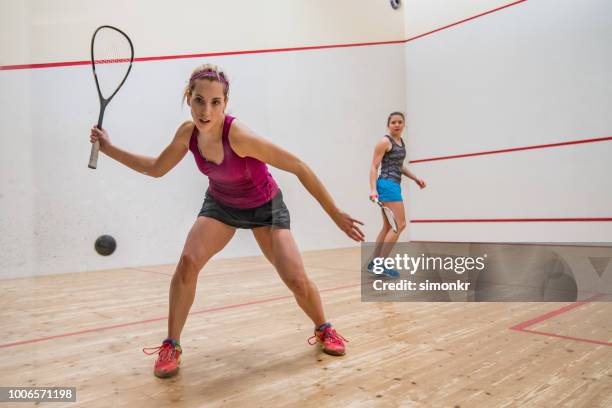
380	239
206	237
281	250
386	237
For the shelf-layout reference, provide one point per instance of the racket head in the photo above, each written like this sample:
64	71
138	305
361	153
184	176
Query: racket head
390	218
389	215
112	54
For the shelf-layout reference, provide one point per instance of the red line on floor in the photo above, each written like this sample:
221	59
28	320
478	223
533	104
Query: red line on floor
148	271
580	339
551	314
522	327
157	319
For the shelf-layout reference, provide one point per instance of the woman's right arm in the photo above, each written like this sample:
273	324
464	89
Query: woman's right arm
150	166
379	151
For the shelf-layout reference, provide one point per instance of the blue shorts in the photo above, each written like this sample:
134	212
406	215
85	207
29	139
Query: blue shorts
388	190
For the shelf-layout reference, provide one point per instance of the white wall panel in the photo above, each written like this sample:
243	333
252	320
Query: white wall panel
536	73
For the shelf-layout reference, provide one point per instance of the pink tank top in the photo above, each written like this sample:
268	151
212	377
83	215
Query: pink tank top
240	182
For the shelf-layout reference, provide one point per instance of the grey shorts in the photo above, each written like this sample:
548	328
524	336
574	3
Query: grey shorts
273	214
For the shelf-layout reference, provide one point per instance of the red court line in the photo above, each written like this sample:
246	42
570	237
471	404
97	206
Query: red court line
552	314
553	244
522	327
157	319
271	50
514	149
43	65
148	271
467	19
201	55
580	339
476	220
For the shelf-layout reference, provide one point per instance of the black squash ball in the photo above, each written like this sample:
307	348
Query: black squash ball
105	245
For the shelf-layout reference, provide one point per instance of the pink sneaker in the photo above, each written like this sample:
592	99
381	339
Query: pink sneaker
331	342
169	359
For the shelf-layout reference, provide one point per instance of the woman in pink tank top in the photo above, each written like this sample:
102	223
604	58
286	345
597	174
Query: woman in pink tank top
241	194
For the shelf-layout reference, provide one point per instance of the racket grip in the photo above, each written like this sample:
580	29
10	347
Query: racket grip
93	156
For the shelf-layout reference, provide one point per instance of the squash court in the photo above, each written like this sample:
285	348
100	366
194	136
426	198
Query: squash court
505	109
245	343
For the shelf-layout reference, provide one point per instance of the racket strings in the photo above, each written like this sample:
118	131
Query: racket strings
112	57
390	217
110	61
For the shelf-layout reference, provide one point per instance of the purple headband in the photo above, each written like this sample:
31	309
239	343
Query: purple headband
208	74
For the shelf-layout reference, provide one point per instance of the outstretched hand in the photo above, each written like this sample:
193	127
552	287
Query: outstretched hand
349	225
421	183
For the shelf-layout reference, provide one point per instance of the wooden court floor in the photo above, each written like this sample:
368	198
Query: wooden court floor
245	343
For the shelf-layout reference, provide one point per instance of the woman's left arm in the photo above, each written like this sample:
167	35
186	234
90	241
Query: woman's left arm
246	143
411	176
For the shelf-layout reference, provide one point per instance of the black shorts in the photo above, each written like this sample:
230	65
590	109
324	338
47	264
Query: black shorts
273	214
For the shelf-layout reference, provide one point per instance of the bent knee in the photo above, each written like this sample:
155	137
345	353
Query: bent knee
298	285
188	268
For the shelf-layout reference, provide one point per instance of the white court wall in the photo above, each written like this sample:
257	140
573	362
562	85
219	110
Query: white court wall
42	31
424	16
533	73
539	72
319	104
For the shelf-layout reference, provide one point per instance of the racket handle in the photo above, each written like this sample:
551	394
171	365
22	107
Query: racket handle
93	157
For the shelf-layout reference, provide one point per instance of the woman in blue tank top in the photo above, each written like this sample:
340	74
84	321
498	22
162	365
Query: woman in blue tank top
389	155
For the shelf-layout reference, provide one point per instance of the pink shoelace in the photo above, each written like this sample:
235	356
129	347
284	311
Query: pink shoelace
328	333
166	351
